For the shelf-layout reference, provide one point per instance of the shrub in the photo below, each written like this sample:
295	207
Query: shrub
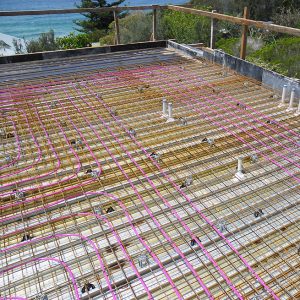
232	46
185	28
282	56
73	41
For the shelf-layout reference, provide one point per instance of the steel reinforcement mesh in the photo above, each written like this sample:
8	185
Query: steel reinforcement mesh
105	197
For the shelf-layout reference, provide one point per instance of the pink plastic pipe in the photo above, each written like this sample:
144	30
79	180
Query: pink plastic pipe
210	85
82	237
93	245
12	298
257	112
66	179
248	133
162	80
197	77
47	174
39	87
119	240
208	108
195	207
229	103
19	149
144	204
221	272
178	91
53	204
270	127
94	157
63	264
40	155
111	227
80	133
167	203
199	211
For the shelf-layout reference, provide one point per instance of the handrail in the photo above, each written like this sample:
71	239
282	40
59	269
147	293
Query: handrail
183	8
237	20
77	10
245	21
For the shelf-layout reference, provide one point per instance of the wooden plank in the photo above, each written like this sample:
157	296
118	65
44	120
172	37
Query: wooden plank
154	23
236	20
213	31
73	10
117	28
244	35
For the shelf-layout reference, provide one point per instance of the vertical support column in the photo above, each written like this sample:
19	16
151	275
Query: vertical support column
164	108
154	24
244	35
117	28
213	26
298	109
240	170
292	100
170	112
284	91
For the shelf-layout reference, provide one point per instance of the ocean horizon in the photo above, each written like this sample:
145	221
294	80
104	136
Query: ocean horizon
30	27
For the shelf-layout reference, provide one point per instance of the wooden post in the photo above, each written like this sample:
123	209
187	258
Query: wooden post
213	31
244	35
117	28
154	24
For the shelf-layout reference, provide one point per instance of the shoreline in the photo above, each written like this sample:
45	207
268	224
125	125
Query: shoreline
30	27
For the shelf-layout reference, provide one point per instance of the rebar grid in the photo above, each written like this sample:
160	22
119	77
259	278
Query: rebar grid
95	206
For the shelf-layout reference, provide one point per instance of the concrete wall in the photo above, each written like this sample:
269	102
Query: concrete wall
81	51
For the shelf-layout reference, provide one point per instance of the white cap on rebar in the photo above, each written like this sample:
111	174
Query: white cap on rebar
297	113
164	108
240	174
170	112
292	100
284	91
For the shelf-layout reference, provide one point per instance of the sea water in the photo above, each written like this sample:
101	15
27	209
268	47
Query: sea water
29	27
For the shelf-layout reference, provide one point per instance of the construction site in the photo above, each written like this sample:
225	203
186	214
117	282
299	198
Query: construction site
148	171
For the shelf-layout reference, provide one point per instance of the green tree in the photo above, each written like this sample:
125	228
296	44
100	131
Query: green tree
96	21
45	42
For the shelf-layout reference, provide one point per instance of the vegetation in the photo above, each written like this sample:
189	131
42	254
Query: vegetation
282	56
73	41
259	10
19	48
45	42
136	27
287	17
96	22
185	28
